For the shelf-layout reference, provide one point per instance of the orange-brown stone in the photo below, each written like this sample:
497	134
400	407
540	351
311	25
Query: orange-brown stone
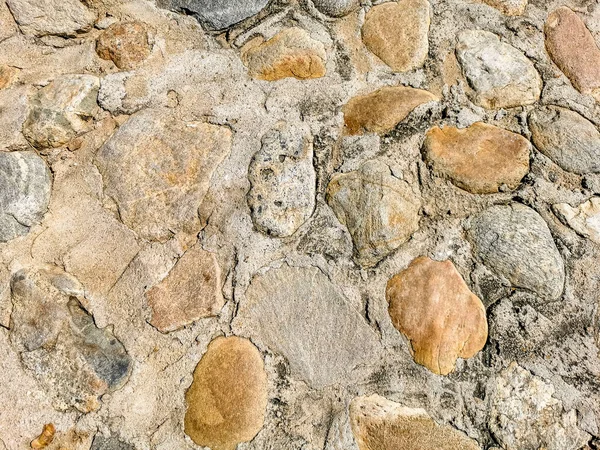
126	44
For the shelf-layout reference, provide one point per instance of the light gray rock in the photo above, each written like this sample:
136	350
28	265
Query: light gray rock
515	242
14	108
283	181
299	313
216	14
336	8
25	185
584	218
501	76
62	110
567	138
51	17
110	443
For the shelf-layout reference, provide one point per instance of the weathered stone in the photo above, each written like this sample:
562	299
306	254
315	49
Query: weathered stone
216	14
479	159
62	110
516	243
398	33
585	218
59	343
380	211
191	291
14	108
567	138
25	185
54	17
8	75
380	424
8	27
126	44
382	110
45	438
336	8
430	303
289	305
574	50
110	443
290	53
283	181
228	398
508	7
526	416
501	76
158	169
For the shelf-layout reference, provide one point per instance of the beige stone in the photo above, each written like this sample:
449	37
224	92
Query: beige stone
479	159
191	291
574	50
380	424
290	53
126	44
7	23
382	110
398	33
430	303
226	402
584	218
8	75
508	7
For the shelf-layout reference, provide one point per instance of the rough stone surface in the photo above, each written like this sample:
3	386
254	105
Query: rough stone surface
227	400
336	8
289	305
62	111
516	243
480	159
432	306
585	218
158	169
290	53
574	50
126	44
567	138
509	7
25	184
191	291
283	181
8	27
8	76
109	443
380	424
380	210
500	75
397	33
14	108
381	110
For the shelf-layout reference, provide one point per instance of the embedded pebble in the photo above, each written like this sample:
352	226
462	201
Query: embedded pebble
126	44
584	218
109	443
336	8
508	7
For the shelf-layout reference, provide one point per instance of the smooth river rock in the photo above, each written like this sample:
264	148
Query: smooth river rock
584	218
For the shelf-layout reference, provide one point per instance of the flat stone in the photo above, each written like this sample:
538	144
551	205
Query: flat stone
216	14
574	50
51	17
291	53
480	159
336	8
110	443
567	138
288	305
500	75
59	343
508	7
380	211
191	291
398	33
380	424
584	218
515	242
158	170
525	415
124	43
430	303
226	403
283	181
381	110
62	111
25	184
14	109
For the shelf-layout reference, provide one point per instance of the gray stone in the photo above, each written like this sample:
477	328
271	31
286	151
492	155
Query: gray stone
283	181
336	8
110	443
515	242
567	138
501	76
25	185
299	313
14	109
216	14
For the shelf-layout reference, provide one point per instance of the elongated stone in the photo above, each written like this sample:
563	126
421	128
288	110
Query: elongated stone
51	17
508	7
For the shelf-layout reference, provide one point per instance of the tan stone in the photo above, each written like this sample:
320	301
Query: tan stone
8	75
574	50
397	33
508	7
584	218
227	400
432	306
191	291
380	424
479	159
126	44
382	110
290	53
